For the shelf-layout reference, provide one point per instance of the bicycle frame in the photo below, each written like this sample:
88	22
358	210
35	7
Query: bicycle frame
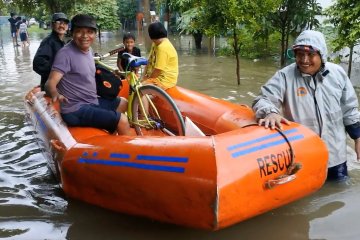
134	84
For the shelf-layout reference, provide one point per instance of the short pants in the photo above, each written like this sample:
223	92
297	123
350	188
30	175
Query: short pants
23	37
156	82
103	116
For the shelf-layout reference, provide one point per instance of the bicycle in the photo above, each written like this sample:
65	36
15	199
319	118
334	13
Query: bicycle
161	112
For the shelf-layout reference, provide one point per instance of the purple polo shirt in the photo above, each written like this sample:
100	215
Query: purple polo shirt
78	82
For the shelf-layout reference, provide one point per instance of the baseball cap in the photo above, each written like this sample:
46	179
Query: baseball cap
83	20
59	16
306	48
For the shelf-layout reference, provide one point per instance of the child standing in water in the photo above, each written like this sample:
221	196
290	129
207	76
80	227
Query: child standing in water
24	35
129	42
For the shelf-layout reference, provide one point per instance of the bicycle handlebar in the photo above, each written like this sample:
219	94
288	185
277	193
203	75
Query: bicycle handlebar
110	53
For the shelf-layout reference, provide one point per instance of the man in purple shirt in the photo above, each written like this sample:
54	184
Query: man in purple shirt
72	82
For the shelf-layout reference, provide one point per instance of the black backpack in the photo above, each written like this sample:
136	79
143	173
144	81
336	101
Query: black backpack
108	85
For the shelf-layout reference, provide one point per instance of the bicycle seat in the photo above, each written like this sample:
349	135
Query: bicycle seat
135	61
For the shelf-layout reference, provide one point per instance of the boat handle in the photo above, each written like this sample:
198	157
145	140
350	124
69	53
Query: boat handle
283	179
291	171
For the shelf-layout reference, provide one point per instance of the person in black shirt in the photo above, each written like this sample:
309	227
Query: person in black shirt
129	42
13	30
49	46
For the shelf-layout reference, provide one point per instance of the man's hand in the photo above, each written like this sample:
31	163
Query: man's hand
60	98
274	120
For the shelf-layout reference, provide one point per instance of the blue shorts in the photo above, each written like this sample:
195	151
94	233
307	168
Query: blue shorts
102	116
13	34
23	37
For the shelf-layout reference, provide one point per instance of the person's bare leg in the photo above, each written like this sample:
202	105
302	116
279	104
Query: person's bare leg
123	126
122	108
146	103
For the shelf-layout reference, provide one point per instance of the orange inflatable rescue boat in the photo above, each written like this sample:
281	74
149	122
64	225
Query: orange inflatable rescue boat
227	170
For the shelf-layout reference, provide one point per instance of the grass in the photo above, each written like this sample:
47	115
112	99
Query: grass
35	29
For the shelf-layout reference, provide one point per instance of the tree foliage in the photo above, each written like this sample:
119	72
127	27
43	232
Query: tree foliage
291	17
234	18
190	19
189	11
105	12
127	10
30	6
345	15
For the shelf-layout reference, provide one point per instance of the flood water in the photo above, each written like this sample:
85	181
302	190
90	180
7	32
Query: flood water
32	205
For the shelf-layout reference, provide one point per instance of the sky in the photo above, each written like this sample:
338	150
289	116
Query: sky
326	3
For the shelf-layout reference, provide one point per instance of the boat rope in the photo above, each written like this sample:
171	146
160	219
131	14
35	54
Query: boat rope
293	168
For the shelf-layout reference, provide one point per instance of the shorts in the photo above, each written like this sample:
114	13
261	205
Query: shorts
23	37
103	116
156	82
337	173
13	34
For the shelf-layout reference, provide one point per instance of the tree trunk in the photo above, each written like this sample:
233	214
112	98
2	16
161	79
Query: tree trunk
350	60
167	16
198	40
237	51
282	56
146	7
99	35
287	40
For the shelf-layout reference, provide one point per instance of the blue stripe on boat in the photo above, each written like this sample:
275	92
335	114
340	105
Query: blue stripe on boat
261	139
266	145
133	165
41	122
162	158
120	155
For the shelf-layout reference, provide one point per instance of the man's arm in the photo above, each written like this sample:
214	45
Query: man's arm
268	104
42	60
50	86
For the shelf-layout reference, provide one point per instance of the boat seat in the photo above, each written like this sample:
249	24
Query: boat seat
192	130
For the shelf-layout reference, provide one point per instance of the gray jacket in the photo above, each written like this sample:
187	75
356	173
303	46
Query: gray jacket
325	103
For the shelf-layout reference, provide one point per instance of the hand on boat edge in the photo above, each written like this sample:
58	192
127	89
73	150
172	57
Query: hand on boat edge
273	120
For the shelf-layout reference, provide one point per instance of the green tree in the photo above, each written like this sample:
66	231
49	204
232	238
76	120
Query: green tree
231	18
105	12
345	15
127	10
190	21
291	17
30	6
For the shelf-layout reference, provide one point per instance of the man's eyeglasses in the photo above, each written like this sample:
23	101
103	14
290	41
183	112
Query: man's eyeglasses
59	22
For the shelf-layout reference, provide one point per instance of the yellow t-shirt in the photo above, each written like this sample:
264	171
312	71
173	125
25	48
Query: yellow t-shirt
164	57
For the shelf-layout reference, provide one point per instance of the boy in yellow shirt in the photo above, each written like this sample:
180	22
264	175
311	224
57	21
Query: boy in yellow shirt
162	69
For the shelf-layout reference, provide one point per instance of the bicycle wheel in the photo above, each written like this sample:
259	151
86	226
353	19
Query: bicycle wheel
162	112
